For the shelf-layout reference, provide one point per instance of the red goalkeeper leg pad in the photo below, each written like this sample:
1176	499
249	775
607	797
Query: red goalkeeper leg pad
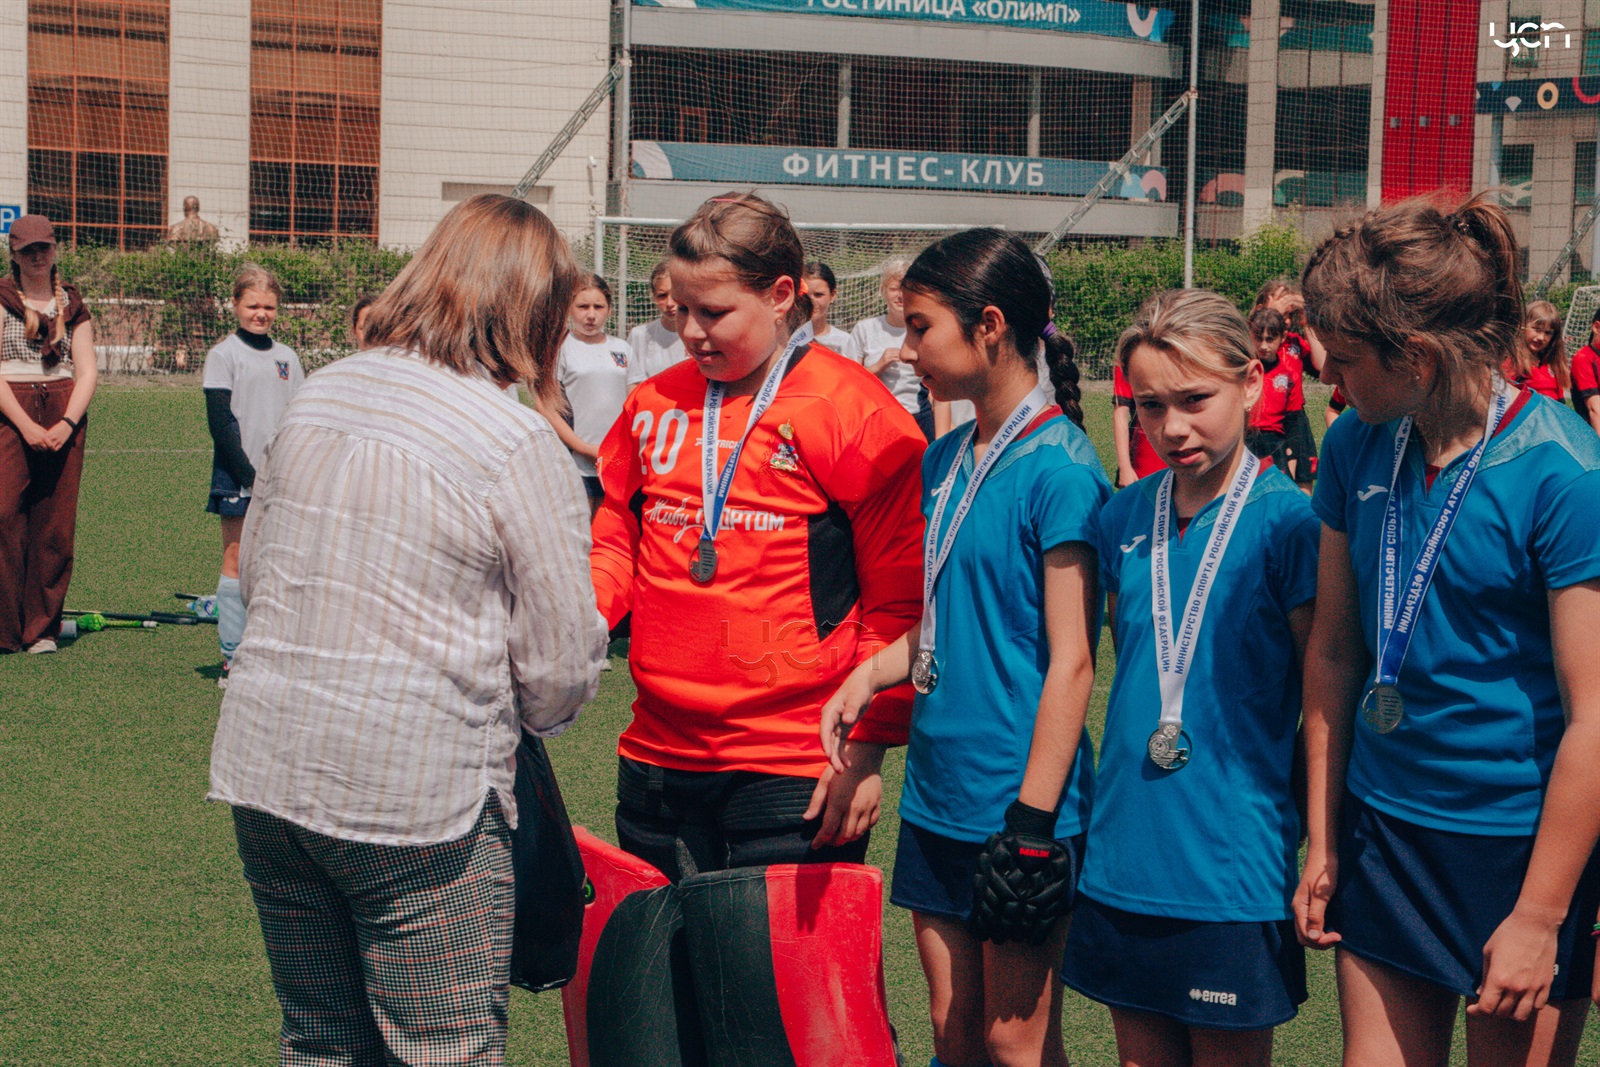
630	1003
788	965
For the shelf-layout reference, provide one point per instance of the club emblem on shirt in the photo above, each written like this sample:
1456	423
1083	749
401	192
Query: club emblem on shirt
1280	382
784	458
619	356
283	369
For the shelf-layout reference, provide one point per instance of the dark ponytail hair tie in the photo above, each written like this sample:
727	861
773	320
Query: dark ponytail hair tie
1049	330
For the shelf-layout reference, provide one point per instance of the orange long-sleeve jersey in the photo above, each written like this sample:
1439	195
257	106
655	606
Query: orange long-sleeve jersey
819	564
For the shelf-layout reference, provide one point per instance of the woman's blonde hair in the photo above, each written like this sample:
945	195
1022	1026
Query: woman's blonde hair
46	333
254	276
489	287
1198	329
894	267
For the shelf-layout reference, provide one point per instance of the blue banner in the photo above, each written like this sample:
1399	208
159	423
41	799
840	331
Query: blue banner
764	165
1536	95
1098	17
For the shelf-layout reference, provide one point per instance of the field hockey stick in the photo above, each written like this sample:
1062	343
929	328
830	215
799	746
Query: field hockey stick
172	617
88	622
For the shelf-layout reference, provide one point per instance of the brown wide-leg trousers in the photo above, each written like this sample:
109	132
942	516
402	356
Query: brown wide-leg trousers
38	516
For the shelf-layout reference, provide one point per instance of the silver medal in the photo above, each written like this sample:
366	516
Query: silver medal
703	567
924	671
1169	746
1383	707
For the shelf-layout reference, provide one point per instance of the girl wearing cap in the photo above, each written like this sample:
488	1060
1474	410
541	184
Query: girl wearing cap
47	362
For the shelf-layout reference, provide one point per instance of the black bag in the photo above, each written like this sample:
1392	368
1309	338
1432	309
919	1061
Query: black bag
550	883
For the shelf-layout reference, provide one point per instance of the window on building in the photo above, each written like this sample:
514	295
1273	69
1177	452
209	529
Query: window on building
1071	94
1524	58
97	119
1324	112
1583	174
315	91
726	97
939	106
1516	174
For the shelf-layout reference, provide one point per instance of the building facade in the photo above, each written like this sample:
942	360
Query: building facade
294	120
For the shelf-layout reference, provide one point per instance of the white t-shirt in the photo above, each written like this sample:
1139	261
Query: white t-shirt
655	348
866	346
595	378
834	338
261	382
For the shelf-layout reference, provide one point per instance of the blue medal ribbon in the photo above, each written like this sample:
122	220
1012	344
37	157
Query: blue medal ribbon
1397	616
715	488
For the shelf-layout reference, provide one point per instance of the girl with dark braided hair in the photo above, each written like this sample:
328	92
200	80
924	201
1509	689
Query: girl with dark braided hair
999	773
1452	711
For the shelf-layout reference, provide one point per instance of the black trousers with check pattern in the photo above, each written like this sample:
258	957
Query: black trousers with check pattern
384	954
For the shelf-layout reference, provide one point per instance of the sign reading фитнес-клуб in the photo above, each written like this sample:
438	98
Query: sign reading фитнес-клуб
1062	16
765	165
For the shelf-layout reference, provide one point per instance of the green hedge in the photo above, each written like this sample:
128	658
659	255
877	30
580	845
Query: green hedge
193	287
1100	286
174	300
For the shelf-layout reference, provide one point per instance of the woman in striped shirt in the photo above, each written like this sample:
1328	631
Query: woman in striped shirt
413	564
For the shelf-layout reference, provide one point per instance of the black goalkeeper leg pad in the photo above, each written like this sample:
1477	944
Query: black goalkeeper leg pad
788	965
631	1003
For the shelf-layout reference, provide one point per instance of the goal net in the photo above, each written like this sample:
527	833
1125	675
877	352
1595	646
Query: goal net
629	249
1585	299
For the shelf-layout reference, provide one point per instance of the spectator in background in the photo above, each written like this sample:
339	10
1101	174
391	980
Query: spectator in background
1586	375
249	381
192	229
655	344
47	361
593	372
1136	457
823	289
416	575
358	319
1539	359
876	344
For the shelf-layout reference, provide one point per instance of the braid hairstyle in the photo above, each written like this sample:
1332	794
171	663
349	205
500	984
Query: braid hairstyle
985	267
1415	280
46	333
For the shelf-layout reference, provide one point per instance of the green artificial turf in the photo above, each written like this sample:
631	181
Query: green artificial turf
127	935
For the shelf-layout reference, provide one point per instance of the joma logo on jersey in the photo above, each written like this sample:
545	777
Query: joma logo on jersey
1211	996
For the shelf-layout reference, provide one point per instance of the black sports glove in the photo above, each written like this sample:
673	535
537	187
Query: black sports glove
1025	879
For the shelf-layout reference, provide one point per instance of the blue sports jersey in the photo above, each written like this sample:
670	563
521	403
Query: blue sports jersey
970	736
1483	715
1215	839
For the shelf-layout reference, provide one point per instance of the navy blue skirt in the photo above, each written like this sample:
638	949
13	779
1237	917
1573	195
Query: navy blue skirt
933	873
1425	902
1212	975
226	498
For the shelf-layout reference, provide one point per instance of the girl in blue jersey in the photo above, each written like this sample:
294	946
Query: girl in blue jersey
999	773
1183	924
1453	696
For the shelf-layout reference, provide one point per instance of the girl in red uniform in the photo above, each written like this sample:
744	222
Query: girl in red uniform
1539	361
761	526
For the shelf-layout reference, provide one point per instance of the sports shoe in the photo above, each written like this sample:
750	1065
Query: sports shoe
222	679
43	646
